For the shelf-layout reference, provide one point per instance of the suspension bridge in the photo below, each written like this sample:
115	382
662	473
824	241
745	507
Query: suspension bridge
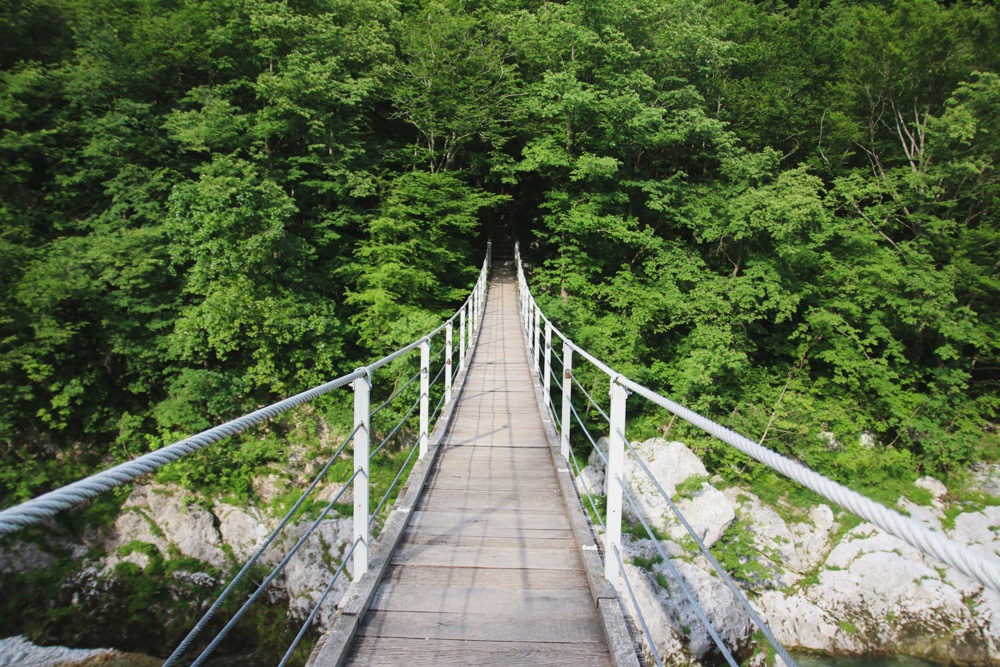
484	551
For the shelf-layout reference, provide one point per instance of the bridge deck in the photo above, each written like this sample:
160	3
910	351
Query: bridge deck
488	570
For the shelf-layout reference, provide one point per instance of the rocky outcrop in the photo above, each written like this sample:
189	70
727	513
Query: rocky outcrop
161	522
225	536
19	652
820	586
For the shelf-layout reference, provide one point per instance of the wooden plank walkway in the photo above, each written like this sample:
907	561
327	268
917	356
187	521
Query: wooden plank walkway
488	569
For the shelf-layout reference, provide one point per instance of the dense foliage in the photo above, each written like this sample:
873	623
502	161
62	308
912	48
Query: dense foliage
782	214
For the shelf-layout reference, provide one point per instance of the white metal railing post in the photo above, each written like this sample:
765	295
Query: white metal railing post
425	377
567	387
547	380
472	321
447	362
362	481
461	339
531	331
538	339
616	471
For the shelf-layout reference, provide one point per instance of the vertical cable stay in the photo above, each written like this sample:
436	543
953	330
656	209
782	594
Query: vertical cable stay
316	607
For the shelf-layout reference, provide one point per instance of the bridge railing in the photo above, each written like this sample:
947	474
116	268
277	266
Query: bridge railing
540	331
467	318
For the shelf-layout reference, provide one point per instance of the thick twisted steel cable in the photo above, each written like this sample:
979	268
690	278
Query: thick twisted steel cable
589	397
394	394
635	603
274	573
393	485
396	428
200	625
319	603
688	593
721	571
53	502
977	566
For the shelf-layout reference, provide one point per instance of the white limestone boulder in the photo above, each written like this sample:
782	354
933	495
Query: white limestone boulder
590	481
706	509
164	515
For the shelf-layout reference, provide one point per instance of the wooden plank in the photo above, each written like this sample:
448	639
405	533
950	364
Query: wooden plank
495	578
568	623
498	519
489	541
489	569
434	653
491	602
494	557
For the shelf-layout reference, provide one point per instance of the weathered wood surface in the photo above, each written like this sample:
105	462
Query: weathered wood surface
488	570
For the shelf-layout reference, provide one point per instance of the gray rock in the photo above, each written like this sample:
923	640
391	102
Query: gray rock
24	557
708	511
875	593
590	481
796	548
19	652
937	489
980	531
311	568
243	530
985	478
594	460
162	516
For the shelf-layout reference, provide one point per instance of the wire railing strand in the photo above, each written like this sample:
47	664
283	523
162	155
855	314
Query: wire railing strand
388	492
721	571
319	603
675	573
395	429
200	625
395	394
638	610
271	577
979	567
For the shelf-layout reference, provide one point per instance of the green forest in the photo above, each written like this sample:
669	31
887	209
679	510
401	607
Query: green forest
781	214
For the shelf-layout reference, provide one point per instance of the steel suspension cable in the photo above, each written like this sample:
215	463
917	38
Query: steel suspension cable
979	567
591	398
53	502
374	514
635	603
